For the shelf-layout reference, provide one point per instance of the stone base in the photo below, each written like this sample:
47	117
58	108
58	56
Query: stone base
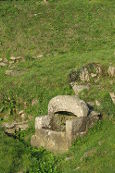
68	118
51	140
57	141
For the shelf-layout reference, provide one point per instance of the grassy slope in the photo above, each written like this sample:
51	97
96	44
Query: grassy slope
28	28
68	34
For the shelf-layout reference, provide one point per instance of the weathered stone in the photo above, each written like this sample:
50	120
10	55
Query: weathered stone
14	127
14	73
112	95
15	59
12	58
86	73
93	75
42	122
1	59
5	60
75	127
39	56
21	112
51	140
2	64
8	72
68	118
68	103
45	1
93	118
111	71
11	63
91	104
78	88
22	115
97	103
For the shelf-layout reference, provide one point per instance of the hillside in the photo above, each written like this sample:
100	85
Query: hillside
54	38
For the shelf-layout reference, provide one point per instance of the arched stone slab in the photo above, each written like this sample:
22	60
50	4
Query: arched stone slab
68	103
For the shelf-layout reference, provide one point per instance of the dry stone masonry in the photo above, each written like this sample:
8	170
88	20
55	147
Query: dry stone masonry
68	117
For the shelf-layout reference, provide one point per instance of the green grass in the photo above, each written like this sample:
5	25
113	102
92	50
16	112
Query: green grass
99	146
32	28
69	34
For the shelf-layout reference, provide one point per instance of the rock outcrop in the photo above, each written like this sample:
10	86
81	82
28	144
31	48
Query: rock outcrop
111	71
11	128
78	88
87	73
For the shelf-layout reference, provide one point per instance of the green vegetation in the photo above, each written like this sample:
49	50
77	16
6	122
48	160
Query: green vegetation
69	34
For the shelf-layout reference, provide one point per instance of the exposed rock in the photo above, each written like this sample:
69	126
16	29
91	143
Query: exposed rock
16	58
93	118
38	56
14	73
84	75
75	127
22	115
111	71
68	103
14	127
9	72
12	58
21	112
2	64
42	122
5	60
78	88
11	63
112	95
45	1
91	104
97	103
87	73
1	59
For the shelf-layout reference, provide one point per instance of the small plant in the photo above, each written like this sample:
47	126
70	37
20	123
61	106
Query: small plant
9	103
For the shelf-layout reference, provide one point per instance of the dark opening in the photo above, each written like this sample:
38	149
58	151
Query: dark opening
59	120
